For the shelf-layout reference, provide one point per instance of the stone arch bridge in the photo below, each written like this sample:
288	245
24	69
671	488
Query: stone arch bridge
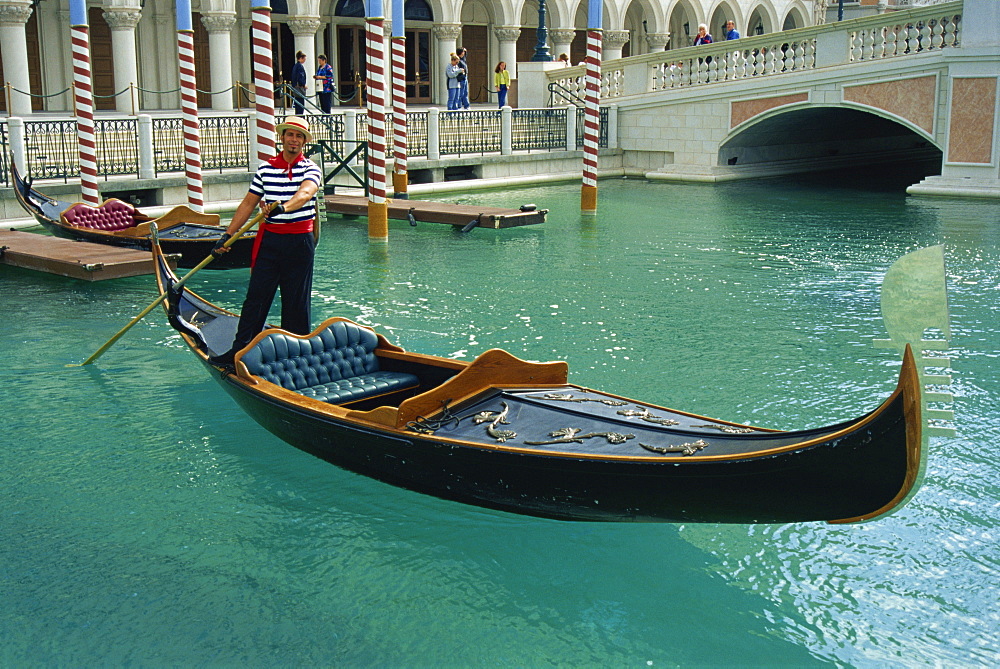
919	84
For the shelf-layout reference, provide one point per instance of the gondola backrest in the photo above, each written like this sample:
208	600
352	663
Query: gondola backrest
340	351
110	216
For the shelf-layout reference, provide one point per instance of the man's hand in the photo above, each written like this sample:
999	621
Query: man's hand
272	209
220	246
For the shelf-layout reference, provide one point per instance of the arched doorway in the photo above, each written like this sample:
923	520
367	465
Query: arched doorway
350	47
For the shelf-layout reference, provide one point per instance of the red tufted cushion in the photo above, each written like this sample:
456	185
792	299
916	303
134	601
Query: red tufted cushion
112	215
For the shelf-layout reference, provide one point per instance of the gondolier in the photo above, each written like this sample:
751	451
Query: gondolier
283	255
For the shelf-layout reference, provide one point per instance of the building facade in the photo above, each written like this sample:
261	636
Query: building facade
134	43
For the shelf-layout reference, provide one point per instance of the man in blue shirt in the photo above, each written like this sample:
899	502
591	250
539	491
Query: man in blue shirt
463	95
299	83
731	32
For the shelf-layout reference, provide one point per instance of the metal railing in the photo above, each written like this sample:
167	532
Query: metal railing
52	149
469	132
564	95
538	129
602	133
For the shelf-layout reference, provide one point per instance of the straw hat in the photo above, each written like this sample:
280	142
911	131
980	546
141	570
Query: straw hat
295	123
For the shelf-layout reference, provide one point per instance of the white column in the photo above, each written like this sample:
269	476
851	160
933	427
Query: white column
507	36
14	14
562	40
506	130
304	30
122	21
658	41
147	165
446	39
613	42
571	128
18	149
433	134
220	47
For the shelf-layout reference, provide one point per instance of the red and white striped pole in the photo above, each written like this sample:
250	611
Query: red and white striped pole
263	77
592	111
83	101
400	180
189	106
378	205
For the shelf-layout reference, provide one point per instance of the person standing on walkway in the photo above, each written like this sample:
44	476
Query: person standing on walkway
731	32
452	73
299	83
501	80
703	36
285	247
463	100
325	74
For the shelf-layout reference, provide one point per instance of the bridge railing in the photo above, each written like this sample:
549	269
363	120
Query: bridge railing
891	35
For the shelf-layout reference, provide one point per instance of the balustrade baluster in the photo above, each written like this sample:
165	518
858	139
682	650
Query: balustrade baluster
868	50
937	35
769	61
951	31
878	48
911	39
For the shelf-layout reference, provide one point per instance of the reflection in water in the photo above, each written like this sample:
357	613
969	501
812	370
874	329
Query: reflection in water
915	301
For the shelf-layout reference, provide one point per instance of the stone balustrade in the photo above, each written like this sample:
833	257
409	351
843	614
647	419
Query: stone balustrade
891	35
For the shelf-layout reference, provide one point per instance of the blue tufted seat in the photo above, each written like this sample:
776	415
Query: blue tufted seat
337	364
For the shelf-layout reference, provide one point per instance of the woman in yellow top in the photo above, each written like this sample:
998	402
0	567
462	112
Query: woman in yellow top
501	81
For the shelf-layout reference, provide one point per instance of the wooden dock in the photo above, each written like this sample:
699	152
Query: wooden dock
77	260
460	215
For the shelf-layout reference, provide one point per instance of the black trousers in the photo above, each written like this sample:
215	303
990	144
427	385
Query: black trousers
285	262
326	102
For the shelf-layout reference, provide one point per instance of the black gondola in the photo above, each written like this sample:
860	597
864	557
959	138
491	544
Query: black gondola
185	233
502	433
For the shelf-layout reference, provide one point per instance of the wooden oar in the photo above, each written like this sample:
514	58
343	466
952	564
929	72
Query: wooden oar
180	282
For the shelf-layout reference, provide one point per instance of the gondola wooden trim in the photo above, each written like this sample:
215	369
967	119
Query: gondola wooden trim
909	385
493	368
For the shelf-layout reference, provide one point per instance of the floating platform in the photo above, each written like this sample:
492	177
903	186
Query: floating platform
77	260
460	215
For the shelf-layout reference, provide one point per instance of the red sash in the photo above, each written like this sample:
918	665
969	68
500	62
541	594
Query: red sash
298	227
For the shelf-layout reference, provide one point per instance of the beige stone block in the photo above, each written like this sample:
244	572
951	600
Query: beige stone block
973	109
911	99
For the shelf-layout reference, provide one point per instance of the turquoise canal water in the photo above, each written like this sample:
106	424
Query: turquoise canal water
146	521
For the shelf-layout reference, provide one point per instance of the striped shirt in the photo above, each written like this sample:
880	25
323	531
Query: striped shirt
273	184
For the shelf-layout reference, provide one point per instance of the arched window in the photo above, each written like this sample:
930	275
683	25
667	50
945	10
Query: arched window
413	10
417	10
350	8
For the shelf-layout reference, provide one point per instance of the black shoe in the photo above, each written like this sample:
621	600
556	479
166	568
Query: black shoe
223	359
